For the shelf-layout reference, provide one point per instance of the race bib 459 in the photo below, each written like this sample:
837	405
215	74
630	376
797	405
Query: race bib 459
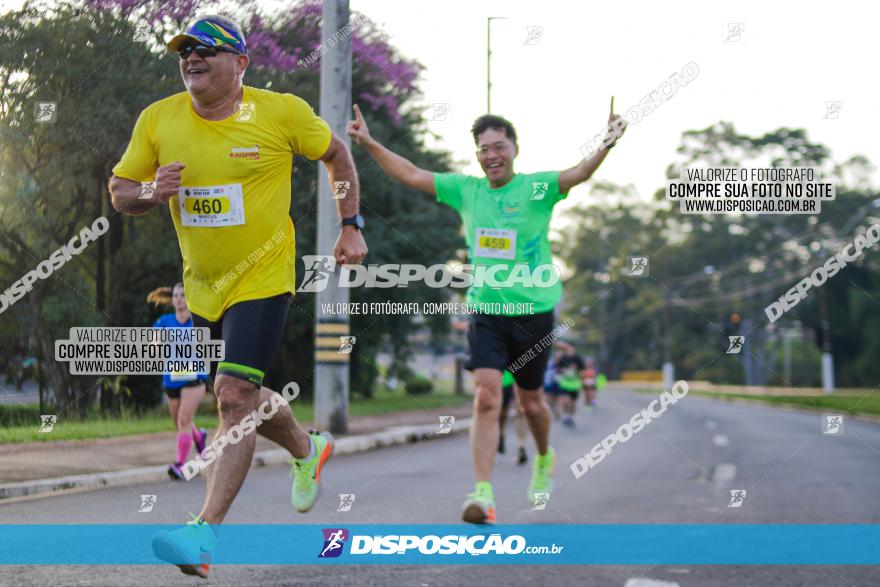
496	243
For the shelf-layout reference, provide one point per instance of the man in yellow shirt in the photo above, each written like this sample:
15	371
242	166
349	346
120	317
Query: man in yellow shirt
220	156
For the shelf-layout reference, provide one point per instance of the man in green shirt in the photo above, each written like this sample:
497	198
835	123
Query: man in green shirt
506	218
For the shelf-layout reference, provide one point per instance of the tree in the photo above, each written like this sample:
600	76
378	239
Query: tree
705	267
54	175
102	64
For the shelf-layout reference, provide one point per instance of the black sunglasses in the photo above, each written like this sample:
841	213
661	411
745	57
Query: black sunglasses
203	51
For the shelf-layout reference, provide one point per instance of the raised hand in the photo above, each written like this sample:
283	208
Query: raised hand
616	127
357	128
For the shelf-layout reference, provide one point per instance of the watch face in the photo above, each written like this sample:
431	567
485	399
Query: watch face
359	221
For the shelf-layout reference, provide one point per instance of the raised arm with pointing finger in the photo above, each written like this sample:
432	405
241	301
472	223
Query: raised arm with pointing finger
400	168
410	175
506	221
585	169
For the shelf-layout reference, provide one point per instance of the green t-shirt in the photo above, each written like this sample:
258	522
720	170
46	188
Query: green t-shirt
506	379
508	226
569	380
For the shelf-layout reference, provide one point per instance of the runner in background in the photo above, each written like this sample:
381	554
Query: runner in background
551	388
184	390
589	378
522	426
568	378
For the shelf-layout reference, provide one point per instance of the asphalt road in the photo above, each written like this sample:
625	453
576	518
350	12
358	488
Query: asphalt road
680	469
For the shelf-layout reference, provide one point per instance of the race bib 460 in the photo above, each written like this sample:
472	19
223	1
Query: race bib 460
212	206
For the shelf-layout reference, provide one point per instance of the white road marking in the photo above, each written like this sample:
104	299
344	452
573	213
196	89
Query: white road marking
724	472
643	582
720	440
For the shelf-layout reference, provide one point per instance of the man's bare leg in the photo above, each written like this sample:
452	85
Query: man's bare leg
502	418
522	428
538	415
567	404
502	421
283	428
236	399
484	430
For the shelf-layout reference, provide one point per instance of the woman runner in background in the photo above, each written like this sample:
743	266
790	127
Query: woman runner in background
185	390
589	377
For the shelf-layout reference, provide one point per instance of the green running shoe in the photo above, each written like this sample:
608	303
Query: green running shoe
542	476
191	548
479	507
307	474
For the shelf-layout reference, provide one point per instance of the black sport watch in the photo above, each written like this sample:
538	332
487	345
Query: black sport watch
357	221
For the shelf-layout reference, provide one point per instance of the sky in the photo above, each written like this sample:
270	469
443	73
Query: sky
789	60
555	83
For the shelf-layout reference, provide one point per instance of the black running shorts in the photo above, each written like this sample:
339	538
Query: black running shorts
512	343
252	332
174	392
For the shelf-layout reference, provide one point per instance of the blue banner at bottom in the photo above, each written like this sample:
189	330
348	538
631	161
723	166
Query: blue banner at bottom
653	544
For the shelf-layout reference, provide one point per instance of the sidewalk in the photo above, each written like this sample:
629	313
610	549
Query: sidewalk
50	460
720	389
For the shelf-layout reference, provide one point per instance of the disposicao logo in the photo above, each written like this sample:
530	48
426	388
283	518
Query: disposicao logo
334	540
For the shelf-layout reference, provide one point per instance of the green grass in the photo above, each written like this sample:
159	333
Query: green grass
405	403
868	403
159	421
96	428
851	403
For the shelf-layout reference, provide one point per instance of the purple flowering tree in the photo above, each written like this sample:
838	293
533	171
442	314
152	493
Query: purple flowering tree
281	44
403	227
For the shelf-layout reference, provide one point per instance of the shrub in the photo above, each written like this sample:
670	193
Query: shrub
419	385
20	415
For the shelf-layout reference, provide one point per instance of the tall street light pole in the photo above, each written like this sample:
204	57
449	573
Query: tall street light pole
331	366
489	60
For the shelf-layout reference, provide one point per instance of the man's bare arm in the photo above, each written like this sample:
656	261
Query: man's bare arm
350	246
125	196
582	171
398	167
340	171
587	167
131	197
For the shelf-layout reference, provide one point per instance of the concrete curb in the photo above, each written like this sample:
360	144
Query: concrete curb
394	436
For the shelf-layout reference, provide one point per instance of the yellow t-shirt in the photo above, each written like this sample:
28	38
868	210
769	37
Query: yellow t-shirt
232	214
